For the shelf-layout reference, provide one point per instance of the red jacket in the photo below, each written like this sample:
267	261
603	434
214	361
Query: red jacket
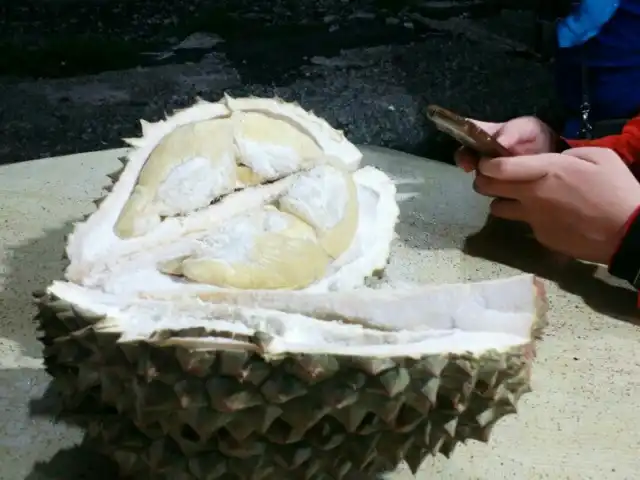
627	144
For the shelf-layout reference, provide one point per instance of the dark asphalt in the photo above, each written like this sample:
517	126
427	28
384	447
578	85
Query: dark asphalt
370	74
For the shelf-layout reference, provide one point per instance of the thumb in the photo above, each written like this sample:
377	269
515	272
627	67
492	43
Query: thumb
523	168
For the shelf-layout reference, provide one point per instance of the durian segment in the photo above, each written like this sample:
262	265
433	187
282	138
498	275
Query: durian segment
277	262
267	249
96	239
326	198
133	268
272	147
191	166
196	164
251	252
138	272
186	171
332	142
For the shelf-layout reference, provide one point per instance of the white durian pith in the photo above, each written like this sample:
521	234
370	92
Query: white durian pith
248	227
460	318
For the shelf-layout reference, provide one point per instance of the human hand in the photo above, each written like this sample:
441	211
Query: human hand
577	203
521	136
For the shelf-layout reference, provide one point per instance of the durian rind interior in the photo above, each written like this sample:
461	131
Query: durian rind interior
474	318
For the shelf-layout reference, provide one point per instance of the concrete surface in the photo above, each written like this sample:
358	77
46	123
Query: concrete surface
581	421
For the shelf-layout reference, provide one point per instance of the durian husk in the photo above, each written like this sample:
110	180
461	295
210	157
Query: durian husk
168	407
175	406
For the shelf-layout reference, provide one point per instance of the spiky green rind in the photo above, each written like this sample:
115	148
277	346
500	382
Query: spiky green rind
166	412
169	412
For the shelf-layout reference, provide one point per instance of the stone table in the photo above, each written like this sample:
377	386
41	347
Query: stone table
581	421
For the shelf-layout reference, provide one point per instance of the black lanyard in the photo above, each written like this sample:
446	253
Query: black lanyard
586	129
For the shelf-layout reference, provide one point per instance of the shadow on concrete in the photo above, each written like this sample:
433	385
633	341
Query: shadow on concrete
49	405
30	267
76	463
513	245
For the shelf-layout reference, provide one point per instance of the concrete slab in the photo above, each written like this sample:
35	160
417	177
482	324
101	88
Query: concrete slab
580	423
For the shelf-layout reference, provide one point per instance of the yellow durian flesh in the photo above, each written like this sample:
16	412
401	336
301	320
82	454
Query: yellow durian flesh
270	146
195	162
267	249
276	262
187	170
290	247
134	219
201	161
247	177
320	210
172	266
326	198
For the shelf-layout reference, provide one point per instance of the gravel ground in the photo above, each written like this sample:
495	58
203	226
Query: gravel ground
368	73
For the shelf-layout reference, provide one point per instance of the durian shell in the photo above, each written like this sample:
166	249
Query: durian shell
165	409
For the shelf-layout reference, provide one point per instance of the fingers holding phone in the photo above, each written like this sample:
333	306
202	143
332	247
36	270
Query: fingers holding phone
466	158
521	136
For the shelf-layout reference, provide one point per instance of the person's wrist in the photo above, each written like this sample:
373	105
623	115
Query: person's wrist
624	262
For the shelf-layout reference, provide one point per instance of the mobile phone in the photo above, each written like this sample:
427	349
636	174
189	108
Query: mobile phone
466	132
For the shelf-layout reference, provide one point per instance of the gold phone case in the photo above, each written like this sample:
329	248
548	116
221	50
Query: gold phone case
466	132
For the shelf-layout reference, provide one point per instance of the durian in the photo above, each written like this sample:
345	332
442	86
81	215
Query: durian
214	318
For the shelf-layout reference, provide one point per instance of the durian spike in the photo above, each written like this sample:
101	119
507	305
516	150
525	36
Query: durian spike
134	142
115	175
146	126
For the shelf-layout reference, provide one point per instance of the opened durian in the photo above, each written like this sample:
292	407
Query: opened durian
214	319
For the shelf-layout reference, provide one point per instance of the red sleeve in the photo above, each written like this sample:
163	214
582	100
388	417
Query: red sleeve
627	144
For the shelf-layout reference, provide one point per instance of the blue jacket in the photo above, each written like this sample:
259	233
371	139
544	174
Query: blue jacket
602	33
585	21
